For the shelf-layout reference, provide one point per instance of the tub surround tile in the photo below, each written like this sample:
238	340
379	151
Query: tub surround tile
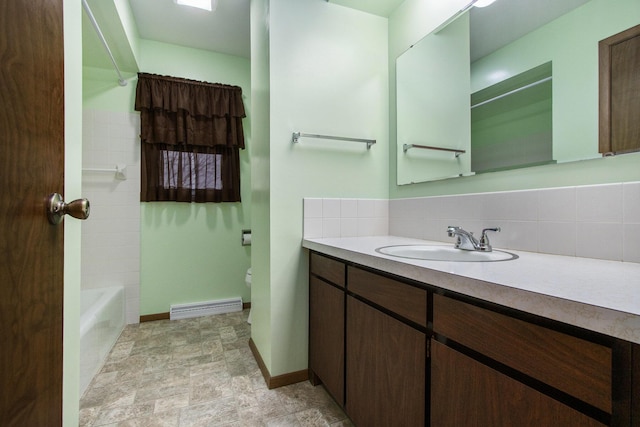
111	240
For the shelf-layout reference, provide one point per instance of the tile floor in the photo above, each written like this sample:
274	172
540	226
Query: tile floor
197	372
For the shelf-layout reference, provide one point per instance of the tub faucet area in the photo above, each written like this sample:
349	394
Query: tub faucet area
466	240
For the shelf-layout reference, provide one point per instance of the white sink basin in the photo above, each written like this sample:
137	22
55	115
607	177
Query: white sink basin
444	253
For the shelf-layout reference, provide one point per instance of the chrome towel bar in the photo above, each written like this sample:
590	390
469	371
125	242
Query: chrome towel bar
297	135
457	152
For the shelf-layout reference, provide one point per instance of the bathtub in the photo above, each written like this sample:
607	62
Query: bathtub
101	322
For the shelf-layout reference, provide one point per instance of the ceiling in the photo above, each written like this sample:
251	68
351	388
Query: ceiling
505	21
227	29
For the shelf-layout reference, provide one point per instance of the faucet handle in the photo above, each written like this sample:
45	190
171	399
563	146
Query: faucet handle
484	239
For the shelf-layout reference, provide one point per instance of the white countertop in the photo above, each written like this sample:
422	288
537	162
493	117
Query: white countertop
598	295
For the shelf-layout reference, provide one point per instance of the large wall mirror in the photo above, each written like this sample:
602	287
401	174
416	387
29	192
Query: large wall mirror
510	85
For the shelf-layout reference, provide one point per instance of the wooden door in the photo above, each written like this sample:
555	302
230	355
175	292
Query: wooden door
620	92
31	250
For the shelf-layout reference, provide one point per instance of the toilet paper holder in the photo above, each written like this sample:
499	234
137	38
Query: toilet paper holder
246	237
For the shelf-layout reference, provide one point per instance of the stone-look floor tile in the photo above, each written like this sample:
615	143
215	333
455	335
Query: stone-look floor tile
123	413
286	421
163	419
103	379
218	412
312	418
105	396
216	367
174	377
121	350
171	403
197	372
228	334
88	416
206	388
158	391
212	346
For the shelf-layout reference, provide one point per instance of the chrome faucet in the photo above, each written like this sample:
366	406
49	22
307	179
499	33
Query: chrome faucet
466	240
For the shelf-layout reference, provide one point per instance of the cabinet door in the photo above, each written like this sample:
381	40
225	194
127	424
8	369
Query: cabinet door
326	336
464	392
385	369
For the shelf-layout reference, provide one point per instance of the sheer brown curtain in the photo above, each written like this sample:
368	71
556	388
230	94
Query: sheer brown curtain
191	134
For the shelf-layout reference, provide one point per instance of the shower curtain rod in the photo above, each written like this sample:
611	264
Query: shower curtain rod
87	9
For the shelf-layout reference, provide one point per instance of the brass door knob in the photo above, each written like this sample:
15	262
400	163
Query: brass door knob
57	208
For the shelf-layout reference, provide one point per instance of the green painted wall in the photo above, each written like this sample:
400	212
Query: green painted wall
327	75
192	252
260	182
189	252
600	170
72	230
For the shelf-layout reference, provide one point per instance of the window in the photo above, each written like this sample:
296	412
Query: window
191	134
191	170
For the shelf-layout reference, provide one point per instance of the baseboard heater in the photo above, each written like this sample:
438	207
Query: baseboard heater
205	308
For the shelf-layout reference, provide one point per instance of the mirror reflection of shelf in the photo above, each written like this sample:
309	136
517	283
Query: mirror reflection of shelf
512	122
457	152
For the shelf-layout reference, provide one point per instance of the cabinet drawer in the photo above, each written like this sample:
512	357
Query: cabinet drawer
327	268
405	300
573	365
465	392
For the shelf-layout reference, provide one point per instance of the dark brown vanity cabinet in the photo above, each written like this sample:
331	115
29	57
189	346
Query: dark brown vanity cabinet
386	351
367	343
465	392
489	368
326	324
398	353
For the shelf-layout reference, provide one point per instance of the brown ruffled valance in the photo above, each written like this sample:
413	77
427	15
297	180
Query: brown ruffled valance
191	135
177	111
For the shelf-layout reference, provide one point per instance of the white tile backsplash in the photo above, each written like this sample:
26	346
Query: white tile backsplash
631	242
599	203
557	204
348	208
599	240
345	217
631	203
313	208
596	221
331	208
